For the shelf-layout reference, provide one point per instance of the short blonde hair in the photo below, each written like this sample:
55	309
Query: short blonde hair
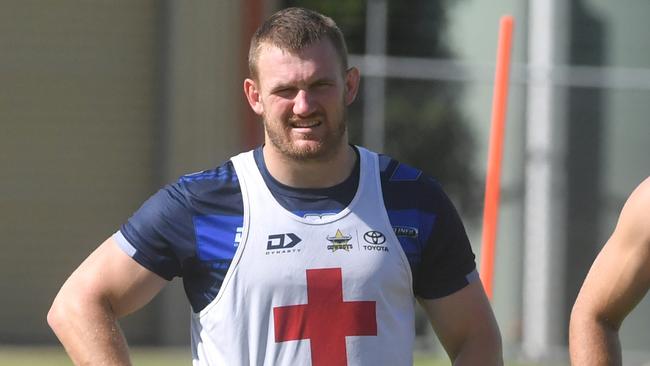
293	29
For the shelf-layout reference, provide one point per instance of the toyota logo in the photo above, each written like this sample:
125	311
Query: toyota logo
374	237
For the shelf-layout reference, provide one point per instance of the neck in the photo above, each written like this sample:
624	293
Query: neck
310	173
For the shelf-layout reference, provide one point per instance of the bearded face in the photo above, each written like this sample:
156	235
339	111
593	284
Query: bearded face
303	97
308	137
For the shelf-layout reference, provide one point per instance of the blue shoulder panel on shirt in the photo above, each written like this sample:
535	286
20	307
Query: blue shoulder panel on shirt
222	173
405	172
189	229
217	236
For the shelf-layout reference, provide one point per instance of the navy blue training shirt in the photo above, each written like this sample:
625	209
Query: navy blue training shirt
191	228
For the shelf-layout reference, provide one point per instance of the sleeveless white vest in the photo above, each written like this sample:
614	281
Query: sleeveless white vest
324	291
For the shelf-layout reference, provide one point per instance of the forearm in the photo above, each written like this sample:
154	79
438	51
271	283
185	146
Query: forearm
466	327
593	343
89	332
485	350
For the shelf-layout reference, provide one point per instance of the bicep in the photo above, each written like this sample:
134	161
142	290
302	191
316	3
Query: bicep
111	276
620	275
462	317
617	280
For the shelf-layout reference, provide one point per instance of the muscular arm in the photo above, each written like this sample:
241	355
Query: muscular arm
466	326
106	286
616	282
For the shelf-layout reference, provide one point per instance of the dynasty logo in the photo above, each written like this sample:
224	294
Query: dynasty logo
282	243
339	241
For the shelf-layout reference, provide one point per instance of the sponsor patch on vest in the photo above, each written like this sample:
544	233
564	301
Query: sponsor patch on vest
339	241
282	243
374	237
376	240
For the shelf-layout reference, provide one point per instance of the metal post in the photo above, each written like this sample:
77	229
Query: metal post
375	86
544	212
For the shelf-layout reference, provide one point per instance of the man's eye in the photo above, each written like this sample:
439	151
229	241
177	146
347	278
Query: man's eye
284	91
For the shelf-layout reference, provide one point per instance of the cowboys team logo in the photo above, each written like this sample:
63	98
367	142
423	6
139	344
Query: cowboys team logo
376	239
339	241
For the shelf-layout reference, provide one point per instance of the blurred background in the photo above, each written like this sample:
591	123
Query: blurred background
103	102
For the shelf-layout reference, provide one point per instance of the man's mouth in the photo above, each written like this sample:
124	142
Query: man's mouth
305	124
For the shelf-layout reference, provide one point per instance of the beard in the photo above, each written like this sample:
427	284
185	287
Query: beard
311	146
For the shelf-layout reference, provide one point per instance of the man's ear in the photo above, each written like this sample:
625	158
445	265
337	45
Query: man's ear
253	96
352	79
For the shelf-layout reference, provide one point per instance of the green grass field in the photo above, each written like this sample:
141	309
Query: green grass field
54	356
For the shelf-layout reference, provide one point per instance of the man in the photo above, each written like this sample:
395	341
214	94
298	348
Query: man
616	282
304	251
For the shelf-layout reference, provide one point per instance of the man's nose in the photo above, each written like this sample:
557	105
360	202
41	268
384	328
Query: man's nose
303	103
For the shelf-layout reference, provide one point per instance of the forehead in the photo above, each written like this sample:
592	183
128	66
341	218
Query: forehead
318	60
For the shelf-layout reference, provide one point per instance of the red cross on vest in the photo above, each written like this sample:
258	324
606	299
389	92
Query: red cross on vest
326	319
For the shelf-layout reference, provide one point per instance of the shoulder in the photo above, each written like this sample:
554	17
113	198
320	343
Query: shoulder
214	185
163	230
634	221
192	194
415	199
204	181
410	186
393	170
641	195
428	228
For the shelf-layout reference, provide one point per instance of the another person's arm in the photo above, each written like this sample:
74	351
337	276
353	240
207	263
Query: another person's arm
466	327
617	281
107	285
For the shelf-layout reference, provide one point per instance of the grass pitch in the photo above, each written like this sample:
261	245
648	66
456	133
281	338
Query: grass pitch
141	356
